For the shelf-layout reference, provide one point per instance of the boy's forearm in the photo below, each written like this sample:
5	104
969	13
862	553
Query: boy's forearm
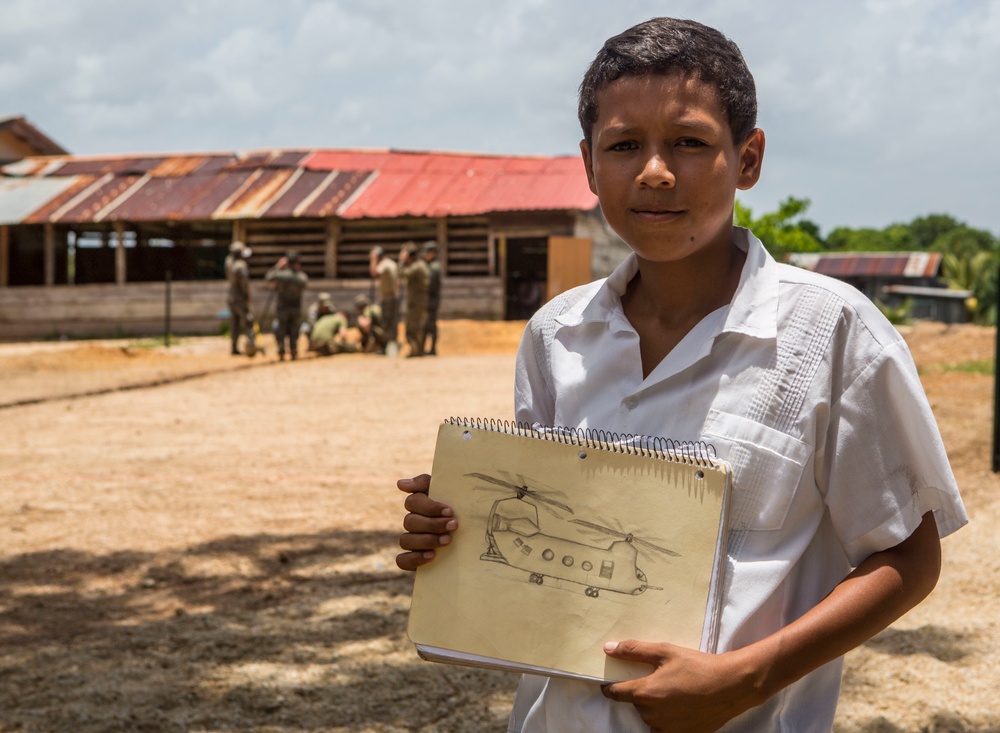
874	595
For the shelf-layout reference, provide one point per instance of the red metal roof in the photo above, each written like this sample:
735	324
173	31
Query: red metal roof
353	184
455	184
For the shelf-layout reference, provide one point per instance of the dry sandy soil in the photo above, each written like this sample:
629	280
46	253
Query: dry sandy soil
195	542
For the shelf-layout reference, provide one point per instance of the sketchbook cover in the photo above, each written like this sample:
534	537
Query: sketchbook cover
564	545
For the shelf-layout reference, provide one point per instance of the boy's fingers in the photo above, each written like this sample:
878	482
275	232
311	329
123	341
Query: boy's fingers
413	560
425	541
421	483
636	651
421	523
424	505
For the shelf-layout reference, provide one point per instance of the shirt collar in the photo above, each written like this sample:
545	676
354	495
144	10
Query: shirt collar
753	310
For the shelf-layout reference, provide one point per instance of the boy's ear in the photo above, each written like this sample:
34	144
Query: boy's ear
751	159
588	163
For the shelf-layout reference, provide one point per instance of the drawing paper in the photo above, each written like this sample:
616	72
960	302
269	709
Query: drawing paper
562	547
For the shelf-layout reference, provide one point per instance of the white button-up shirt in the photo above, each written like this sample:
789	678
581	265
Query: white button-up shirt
810	394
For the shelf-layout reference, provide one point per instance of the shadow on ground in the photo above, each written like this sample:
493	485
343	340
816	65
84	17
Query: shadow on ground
276	634
263	633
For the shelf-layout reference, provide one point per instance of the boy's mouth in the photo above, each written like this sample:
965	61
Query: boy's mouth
653	214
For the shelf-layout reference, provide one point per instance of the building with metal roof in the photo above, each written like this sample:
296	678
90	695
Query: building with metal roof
504	224
894	279
19	139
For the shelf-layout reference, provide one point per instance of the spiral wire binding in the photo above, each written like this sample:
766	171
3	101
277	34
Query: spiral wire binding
691	452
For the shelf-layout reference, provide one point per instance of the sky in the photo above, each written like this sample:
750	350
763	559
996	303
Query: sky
877	111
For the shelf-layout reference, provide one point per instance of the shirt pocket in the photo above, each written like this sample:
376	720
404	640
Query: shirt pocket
767	468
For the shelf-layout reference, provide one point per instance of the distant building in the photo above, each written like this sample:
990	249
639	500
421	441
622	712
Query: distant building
893	278
20	139
507	228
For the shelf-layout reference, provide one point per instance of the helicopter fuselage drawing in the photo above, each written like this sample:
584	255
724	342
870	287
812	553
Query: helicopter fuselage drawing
516	538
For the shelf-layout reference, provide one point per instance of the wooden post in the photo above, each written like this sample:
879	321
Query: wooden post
49	254
996	389
498	251
4	256
497	255
330	255
442	242
120	253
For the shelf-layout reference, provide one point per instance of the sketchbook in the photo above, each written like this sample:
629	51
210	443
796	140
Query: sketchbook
568	539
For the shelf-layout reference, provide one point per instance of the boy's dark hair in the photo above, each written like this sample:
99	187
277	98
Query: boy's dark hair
667	46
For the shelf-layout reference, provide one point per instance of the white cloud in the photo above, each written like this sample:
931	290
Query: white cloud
877	110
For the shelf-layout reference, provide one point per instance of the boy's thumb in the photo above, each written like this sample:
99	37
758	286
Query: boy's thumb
635	651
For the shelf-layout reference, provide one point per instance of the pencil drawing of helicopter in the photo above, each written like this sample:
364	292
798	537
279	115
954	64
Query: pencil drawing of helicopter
515	537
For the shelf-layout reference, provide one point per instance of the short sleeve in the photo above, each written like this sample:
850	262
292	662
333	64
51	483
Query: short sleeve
883	464
533	397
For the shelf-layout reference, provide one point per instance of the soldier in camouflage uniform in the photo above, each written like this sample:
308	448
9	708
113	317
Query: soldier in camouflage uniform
369	318
289	282
322	306
417	276
238	298
429	253
385	275
330	335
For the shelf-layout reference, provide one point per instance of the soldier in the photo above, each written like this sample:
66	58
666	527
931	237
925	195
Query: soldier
322	306
369	315
330	335
287	278
385	273
238	298
430	255
417	277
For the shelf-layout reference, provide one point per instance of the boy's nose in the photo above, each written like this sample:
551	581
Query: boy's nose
656	172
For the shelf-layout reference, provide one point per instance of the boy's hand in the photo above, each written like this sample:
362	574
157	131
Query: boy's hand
428	524
687	691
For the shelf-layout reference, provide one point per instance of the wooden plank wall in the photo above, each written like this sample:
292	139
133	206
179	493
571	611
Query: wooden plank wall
138	309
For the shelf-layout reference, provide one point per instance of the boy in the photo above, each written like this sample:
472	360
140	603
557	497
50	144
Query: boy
841	484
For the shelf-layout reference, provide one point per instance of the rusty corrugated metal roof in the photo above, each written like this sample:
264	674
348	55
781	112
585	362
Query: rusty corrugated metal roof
288	183
455	184
19	197
870	264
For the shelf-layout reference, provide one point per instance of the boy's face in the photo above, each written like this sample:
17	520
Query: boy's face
664	166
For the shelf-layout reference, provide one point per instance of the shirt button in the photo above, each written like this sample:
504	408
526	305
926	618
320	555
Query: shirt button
630	403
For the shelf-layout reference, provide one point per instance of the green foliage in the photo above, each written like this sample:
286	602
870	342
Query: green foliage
895	238
778	230
924	230
898	316
975	366
965	242
976	272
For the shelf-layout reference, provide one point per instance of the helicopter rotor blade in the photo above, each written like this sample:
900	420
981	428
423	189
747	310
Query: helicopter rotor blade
599	528
498	482
625	536
522	489
651	546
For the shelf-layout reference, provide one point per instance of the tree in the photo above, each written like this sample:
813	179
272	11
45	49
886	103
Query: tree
778	230
894	238
965	242
969	261
845	239
926	229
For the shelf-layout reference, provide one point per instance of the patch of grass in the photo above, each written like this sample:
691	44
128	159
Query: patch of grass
151	343
975	366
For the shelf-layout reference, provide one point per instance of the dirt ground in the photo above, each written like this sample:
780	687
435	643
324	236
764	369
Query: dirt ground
191	541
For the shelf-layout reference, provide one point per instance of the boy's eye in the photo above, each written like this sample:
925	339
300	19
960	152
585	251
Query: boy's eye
623	145
690	142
